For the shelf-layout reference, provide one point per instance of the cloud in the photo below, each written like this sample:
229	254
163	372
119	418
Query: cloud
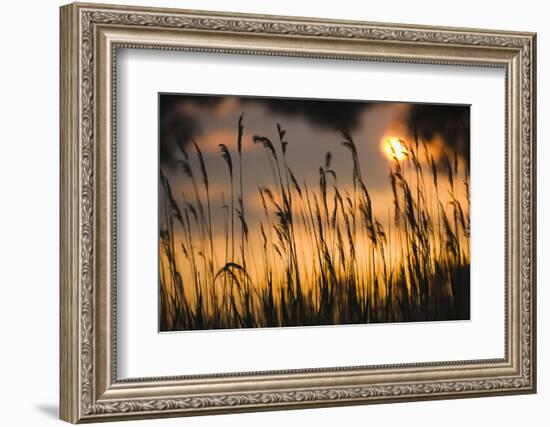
450	122
176	129
209	142
181	117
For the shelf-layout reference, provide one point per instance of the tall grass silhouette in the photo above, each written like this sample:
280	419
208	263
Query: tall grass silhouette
320	255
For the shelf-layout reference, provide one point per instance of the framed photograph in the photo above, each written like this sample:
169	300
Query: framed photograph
265	212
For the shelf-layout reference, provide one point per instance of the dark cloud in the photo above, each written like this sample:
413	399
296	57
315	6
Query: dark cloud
177	126
320	113
451	122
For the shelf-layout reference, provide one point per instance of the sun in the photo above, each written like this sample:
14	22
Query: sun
395	148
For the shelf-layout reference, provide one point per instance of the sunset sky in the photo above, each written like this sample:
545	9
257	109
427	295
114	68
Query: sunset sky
311	131
311	127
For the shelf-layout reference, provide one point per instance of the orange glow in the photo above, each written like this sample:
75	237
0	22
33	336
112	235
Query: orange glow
395	148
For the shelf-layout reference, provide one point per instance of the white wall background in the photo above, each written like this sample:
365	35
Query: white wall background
29	197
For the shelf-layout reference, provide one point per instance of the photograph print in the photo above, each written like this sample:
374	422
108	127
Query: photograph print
279	212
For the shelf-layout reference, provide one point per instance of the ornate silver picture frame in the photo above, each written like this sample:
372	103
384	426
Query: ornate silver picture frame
91	35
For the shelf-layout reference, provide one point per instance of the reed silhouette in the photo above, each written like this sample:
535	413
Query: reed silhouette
320	255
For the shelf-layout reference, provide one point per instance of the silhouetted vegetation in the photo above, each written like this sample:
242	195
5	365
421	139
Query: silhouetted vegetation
417	268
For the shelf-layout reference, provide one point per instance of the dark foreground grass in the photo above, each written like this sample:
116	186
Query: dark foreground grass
354	271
